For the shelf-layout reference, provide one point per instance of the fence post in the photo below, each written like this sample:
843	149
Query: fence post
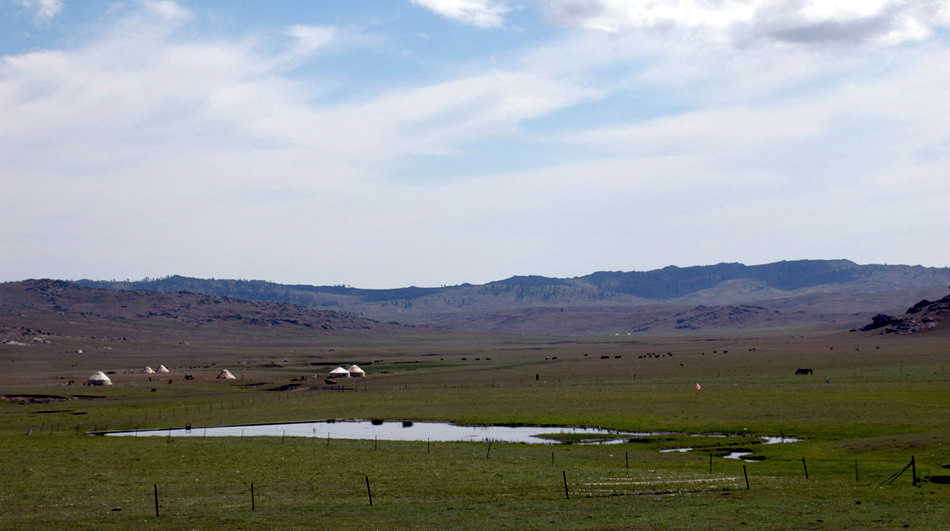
746	474
156	500
567	493
252	496
913	470
856	477
805	466
369	492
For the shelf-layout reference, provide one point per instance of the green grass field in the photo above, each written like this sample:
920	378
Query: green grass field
871	404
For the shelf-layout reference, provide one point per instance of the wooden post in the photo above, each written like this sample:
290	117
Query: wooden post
252	496
375	442
552	457
710	463
805	466
489	450
746	474
428	444
913	470
369	492
856	479
156	500
626	457
567	493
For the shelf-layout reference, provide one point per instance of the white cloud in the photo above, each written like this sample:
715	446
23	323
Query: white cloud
43	10
168	10
746	21
478	13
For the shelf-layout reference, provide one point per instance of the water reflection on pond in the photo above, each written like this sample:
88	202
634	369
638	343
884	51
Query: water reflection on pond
421	431
399	431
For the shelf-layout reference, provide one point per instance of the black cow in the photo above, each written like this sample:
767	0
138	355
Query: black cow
804	371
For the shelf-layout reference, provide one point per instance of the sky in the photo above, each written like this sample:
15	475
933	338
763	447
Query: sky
435	142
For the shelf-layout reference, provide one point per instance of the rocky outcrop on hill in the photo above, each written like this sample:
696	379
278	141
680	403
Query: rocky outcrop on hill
925	315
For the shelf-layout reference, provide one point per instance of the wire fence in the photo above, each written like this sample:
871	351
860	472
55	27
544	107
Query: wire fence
572	478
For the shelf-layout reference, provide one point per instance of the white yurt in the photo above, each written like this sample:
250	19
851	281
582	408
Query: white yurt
148	370
162	368
339	372
356	372
99	378
226	375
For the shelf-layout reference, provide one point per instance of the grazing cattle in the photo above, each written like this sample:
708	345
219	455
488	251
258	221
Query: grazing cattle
605	357
804	371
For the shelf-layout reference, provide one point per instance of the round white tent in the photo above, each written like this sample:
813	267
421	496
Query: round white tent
226	375
99	378
356	372
339	372
162	368
148	370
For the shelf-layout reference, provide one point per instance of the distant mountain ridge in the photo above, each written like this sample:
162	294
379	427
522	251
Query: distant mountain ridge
622	301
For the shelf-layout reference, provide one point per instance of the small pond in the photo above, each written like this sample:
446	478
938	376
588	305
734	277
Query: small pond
399	431
420	431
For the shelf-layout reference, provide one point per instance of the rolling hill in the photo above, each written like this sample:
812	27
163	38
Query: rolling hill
37	308
788	294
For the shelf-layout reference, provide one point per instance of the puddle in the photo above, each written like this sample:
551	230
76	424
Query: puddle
778	440
740	456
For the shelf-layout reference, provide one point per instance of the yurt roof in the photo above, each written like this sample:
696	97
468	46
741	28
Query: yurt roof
355	369
339	371
162	368
148	370
226	375
99	377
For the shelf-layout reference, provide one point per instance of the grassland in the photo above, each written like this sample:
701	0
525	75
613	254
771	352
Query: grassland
871	404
